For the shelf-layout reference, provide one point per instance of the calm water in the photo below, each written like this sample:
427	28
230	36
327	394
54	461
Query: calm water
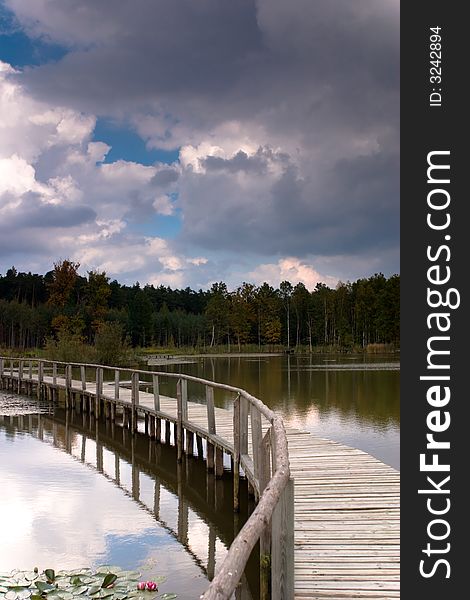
76	493
351	399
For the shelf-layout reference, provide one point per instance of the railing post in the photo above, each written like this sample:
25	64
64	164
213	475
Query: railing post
282	561
243	425
30	368
20	375
211	428
210	410
2	368
156	405
99	391
40	377
156	392
179	423
54	373
135	401
83	377
265	538
256	439
236	454
68	385
116	384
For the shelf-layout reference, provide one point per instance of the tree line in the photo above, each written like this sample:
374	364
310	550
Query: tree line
37	308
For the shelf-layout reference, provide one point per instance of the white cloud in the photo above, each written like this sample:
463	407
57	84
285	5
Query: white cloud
163	206
290	269
17	176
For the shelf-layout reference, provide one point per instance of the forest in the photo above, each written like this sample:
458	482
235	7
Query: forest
37	310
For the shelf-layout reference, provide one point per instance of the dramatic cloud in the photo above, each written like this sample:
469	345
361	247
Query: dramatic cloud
285	116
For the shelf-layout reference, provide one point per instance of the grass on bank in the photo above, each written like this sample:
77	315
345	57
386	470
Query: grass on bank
111	348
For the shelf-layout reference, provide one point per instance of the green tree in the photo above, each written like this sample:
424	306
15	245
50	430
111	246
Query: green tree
217	312
286	290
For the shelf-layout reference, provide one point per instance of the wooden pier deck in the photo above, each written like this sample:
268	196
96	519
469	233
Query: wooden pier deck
346	503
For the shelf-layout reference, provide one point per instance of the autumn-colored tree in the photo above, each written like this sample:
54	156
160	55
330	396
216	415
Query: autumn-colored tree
63	281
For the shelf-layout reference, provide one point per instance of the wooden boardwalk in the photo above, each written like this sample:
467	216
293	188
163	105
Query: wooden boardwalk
346	503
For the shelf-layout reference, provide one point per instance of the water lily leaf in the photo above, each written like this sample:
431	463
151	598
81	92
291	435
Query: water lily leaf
10	596
94	589
168	596
36	597
50	574
131	575
31	575
81	589
104	593
44	587
65	595
109	580
3	590
24	594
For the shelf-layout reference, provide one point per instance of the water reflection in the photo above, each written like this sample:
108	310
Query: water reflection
76	492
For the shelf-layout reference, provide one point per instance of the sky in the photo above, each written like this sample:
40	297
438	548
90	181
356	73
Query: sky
182	143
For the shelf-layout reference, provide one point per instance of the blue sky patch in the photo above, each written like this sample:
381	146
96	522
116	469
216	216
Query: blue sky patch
17	49
126	144
160	225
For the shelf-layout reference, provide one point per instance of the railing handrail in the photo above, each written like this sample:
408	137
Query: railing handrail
225	581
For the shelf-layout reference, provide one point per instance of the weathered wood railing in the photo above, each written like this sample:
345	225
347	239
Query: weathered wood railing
106	391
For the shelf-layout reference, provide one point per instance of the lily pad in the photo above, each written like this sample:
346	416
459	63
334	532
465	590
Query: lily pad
109	580
44	587
50	574
168	596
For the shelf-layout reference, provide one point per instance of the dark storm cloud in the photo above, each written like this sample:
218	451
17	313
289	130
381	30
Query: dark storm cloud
352	208
165	177
135	50
241	161
34	214
319	79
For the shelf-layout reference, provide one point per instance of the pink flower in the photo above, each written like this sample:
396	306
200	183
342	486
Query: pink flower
141	585
152	586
